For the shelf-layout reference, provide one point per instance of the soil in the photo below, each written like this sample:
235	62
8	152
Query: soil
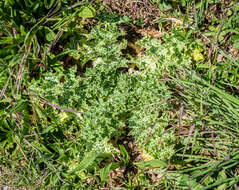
144	10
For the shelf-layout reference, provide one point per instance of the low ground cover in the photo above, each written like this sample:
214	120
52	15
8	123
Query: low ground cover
119	94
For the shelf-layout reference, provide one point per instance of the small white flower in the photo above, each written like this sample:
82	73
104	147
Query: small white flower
63	116
97	61
79	115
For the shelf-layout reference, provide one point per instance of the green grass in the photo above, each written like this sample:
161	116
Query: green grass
83	108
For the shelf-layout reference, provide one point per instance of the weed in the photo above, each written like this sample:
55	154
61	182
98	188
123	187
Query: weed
92	97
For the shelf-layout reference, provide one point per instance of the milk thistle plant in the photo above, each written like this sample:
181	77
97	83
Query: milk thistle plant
91	99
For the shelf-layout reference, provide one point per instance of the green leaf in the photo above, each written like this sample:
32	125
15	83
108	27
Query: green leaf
152	164
88	160
50	35
104	172
235	45
41	147
87	12
165	6
48	4
125	154
22	30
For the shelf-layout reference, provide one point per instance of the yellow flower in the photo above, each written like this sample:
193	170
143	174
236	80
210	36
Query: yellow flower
178	23
197	55
146	156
